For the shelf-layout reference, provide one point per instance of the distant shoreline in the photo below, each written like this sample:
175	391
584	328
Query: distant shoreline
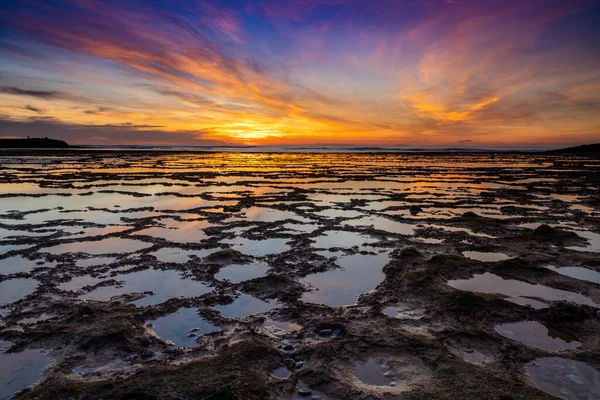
33	143
52	145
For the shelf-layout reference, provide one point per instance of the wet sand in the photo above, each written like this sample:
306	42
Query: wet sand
156	275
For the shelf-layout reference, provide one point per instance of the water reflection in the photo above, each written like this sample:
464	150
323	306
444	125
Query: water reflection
342	239
281	373
246	305
183	327
20	370
5	248
258	248
565	378
384	224
263	214
593	242
104	246
16	289
338	213
95	261
164	284
358	274
534	334
371	373
16	264
181	232
580	273
490	283
176	255
237	273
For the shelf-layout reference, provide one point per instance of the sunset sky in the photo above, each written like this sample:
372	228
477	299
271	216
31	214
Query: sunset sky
460	73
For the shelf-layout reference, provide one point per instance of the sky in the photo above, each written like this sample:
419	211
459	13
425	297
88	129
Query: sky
459	73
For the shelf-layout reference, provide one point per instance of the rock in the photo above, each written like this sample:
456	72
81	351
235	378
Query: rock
414	210
393	384
469	350
194	329
386	374
191	335
325	332
304	392
315	397
288	347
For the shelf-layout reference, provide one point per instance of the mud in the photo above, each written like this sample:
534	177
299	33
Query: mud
145	275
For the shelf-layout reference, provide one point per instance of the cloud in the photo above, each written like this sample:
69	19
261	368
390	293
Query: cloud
42	94
303	70
34	109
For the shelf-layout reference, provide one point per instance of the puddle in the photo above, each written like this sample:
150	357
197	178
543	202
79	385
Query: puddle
485	257
164	284
175	255
490	283
96	261
81	232
565	378
79	282
258	248
304	228
5	248
237	273
20	370
182	232
342	239
534	334
7	234
400	371
262	214
580	273
384	224
337	213
281	373
246	305
371	373
358	274
381	205
593	239
183	327
16	289
104	246
16	264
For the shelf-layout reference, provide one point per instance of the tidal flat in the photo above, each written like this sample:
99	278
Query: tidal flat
165	275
